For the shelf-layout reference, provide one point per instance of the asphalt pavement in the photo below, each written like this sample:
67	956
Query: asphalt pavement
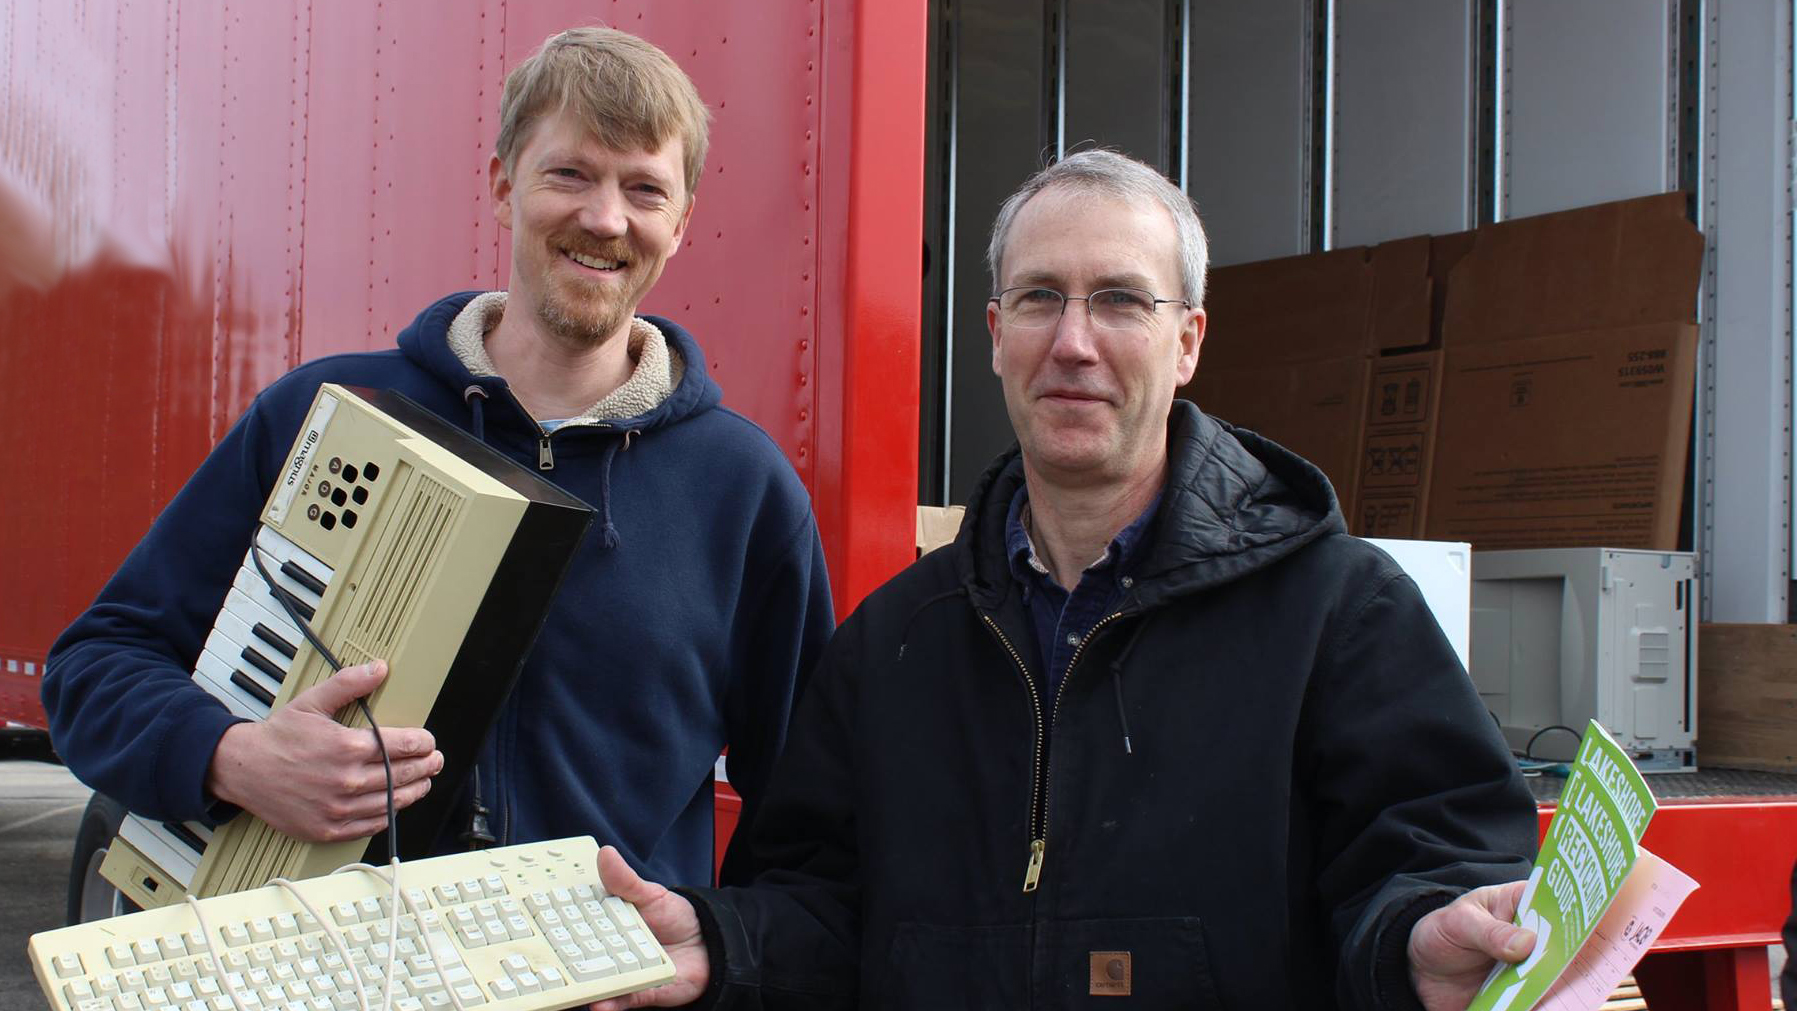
40	810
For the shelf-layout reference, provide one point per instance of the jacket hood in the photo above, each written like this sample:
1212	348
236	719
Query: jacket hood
426	343
1234	503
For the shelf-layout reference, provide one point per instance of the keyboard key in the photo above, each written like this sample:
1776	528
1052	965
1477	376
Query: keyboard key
448	893
593	968
469	995
620	911
493	885
68	964
346	913
236	934
502	989
145	950
528	982
551	977
78	991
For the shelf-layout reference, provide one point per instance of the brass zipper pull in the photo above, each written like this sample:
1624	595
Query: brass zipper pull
1033	875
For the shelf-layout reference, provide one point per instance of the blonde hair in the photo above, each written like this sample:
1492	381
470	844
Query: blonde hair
629	93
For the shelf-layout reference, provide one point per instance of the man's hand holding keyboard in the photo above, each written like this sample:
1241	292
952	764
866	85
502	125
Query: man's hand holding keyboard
675	925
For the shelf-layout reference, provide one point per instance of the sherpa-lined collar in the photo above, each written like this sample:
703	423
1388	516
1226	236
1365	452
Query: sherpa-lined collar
658	367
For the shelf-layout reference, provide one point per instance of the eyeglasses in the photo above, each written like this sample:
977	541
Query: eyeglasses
1030	308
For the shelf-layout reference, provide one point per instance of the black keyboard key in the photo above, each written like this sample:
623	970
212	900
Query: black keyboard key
302	577
268	635
263	664
256	691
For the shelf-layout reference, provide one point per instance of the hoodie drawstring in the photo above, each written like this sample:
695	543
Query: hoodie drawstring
608	531
1117	682
476	399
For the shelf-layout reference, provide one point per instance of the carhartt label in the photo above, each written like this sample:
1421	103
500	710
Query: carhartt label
295	475
1110	974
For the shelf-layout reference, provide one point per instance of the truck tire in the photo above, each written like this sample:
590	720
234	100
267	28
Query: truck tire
92	897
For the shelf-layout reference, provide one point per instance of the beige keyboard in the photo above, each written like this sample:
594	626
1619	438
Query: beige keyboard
518	928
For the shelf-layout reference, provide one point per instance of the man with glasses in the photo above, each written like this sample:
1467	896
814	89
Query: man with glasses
1154	726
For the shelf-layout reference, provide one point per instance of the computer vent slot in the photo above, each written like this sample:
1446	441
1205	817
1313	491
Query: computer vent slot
398	569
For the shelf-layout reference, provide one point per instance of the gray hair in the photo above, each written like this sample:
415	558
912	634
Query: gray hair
1111	173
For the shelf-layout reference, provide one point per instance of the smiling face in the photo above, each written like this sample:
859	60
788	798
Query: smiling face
1090	405
591	227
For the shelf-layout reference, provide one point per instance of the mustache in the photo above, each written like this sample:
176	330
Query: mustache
598	249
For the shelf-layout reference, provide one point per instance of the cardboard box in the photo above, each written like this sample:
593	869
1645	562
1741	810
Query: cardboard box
1392	488
1570	361
937	526
1315	409
1524	384
1747	693
1290	344
1565	441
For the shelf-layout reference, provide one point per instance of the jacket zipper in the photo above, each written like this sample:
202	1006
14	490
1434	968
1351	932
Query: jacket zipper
1040	770
1032	874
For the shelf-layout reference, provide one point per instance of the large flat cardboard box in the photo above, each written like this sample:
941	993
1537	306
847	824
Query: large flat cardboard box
1565	441
1747	695
1524	384
1570	361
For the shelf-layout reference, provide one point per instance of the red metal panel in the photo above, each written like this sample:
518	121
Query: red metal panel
873	233
1740	854
435	103
338	272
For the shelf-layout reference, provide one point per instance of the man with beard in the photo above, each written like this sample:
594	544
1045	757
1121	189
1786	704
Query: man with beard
685	620
1154	727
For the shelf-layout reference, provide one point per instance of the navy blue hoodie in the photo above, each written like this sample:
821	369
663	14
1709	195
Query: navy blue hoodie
688	618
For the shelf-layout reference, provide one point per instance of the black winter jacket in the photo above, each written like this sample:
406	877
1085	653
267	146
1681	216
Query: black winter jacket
1307	772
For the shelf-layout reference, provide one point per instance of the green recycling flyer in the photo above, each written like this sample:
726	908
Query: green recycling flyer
1590	849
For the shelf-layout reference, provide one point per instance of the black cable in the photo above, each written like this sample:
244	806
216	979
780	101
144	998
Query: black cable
1528	750
287	602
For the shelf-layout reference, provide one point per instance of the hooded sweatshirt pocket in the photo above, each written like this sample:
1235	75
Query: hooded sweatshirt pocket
1152	962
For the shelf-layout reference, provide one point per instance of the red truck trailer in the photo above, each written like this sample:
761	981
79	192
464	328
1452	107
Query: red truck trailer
196	195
